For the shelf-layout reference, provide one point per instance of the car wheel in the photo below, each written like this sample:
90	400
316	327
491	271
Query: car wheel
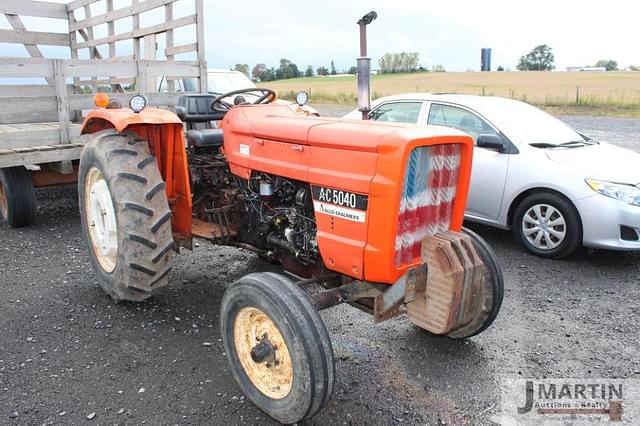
547	225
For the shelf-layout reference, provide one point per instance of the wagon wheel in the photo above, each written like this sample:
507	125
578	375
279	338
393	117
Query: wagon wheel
278	347
17	199
125	215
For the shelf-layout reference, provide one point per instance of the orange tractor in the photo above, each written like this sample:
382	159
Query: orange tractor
370	213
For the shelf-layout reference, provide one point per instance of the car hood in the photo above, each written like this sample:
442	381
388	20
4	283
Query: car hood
603	161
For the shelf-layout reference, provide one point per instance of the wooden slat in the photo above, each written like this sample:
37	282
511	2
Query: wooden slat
86	68
25	67
34	37
104	82
93	51
39	155
61	100
34	8
32	135
168	17
154	29
77	4
114	15
202	60
136	26
28	109
176	50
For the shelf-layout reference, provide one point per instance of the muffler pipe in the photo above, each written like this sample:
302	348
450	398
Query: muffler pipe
364	67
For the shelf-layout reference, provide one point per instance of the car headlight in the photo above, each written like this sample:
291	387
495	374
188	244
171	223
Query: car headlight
628	193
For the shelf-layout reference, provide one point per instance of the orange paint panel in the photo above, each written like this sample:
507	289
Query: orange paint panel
280	158
350	170
355	156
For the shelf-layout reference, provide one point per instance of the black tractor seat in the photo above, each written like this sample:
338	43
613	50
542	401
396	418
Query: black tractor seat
206	138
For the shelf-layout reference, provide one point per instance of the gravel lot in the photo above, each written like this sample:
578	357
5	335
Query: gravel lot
68	353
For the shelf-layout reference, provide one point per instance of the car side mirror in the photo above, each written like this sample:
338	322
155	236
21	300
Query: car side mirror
493	142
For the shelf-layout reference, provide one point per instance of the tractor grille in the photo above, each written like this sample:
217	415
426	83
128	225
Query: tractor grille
428	192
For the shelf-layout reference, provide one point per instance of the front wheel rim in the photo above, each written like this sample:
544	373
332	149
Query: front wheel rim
101	220
272	376
544	227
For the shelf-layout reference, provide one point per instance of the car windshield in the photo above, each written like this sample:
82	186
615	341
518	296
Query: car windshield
221	82
526	124
224	82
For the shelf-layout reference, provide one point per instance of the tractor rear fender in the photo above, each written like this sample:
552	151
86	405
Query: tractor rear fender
164	133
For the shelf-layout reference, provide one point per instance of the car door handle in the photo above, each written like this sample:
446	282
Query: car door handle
297	147
259	141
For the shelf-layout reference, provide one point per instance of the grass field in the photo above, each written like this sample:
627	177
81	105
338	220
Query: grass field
613	92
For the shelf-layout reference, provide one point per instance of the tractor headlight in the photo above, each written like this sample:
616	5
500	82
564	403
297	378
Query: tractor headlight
137	103
627	193
302	98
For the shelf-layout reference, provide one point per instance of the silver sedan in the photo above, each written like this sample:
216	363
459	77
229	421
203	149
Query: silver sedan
555	188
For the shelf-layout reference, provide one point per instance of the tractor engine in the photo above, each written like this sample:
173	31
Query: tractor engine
276	215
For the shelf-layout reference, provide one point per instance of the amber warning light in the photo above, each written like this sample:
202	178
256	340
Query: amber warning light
101	100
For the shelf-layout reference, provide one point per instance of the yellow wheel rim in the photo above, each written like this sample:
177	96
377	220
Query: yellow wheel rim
274	378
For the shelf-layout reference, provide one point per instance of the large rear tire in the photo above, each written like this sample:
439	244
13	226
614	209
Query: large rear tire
278	347
17	199
125	215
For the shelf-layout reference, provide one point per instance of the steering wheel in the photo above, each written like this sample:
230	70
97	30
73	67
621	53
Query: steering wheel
220	105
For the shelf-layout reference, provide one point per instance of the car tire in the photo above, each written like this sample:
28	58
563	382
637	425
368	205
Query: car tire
547	225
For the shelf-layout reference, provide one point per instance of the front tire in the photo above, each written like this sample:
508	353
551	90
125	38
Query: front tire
278	347
125	215
17	199
547	225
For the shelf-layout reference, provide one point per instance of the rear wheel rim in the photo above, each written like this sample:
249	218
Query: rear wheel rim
274	378
101	220
544	227
4	206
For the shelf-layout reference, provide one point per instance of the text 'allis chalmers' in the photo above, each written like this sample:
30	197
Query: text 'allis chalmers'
368	213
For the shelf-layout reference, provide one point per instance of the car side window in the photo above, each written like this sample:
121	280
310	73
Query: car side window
398	112
459	118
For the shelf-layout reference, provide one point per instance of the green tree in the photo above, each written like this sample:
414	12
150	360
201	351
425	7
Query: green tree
322	71
243	68
333	68
438	68
634	68
399	62
500	68
609	64
258	72
539	59
352	70
309	71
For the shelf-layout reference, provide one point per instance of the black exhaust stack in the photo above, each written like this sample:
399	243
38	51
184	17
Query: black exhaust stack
364	67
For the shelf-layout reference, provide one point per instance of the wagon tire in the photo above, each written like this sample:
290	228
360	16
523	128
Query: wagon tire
293	378
492	291
125	215
17	199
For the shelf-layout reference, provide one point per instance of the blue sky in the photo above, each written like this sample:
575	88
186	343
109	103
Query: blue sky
450	33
